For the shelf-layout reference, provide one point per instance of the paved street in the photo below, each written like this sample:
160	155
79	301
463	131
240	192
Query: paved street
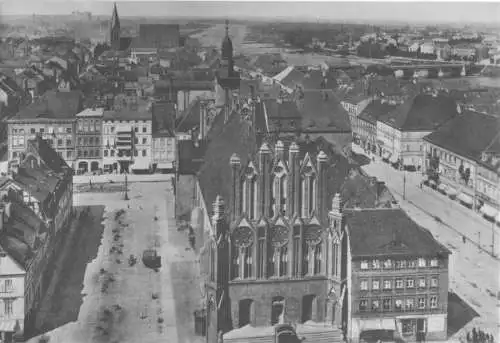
124	303
474	273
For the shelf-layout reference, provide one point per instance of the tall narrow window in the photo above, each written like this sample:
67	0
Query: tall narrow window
296	251
283	261
275	196
304	197
335	257
272	255
283	194
317	258
235	262
212	263
244	196
247	262
305	258
261	247
312	194
251	201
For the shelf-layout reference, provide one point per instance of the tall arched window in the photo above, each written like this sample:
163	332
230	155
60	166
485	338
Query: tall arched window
243	198
318	256
312	194
252	201
261	252
283	194
283	261
335	257
247	256
274	196
235	262
308	196
211	252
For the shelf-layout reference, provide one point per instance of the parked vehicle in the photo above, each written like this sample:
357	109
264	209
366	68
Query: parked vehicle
151	259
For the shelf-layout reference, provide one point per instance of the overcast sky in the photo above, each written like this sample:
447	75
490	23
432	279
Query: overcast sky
440	12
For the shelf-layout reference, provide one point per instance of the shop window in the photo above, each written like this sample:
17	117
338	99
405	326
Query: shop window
363	304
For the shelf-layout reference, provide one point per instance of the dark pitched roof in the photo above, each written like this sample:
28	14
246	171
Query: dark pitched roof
190	118
53	104
468	134
389	232
294	78
422	113
235	136
157	36
40	182
190	157
17	249
317	79
163	118
375	110
125	43
322	112
48	156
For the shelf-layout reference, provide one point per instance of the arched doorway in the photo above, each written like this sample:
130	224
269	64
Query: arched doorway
278	311
94	166
83	166
245	312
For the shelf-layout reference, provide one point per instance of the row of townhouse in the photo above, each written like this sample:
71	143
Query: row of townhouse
36	209
463	159
293	256
94	139
394	131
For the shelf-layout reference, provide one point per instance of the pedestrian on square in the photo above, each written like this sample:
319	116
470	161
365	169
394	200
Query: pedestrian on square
465	241
468	333
474	335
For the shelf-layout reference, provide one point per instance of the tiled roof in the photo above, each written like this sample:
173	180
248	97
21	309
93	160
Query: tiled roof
190	157
129	112
156	36
468	135
40	182
422	113
315	79
53	104
190	118
48	155
235	136
342	175
322	112
293	78
163	118
375	110
389	232
17	249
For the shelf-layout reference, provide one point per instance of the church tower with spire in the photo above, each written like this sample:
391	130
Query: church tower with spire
114	30
227	52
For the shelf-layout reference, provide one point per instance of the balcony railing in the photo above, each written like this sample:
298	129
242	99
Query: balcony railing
381	312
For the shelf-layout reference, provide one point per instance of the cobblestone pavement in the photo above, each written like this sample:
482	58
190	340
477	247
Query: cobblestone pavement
135	303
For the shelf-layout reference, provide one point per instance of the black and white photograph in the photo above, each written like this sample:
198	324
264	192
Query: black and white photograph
249	171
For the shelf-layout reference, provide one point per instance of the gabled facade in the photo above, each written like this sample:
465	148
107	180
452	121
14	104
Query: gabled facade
275	258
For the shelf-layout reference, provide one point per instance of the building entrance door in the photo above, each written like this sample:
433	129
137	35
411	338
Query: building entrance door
421	330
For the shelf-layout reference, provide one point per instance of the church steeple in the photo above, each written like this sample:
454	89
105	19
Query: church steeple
227	45
114	27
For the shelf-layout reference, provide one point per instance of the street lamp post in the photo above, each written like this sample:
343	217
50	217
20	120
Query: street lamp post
126	189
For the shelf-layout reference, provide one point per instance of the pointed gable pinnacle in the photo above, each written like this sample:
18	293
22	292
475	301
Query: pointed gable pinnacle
294	147
264	149
218	207
336	203
280	146
322	157
234	160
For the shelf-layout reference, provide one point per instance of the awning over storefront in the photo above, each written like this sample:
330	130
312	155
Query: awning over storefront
489	211
451	191
393	159
386	155
432	182
378	324
8	325
164	165
442	187
467	199
140	165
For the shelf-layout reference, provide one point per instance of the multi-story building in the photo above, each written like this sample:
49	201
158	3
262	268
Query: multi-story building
89	140
367	124
53	117
281	264
397	276
38	202
127	138
461	157
401	131
164	147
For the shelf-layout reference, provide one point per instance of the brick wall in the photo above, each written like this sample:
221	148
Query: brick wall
262	294
184	196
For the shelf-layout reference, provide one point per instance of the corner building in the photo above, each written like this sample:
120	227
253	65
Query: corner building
276	258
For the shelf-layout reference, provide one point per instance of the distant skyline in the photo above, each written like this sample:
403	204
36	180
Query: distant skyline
439	12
